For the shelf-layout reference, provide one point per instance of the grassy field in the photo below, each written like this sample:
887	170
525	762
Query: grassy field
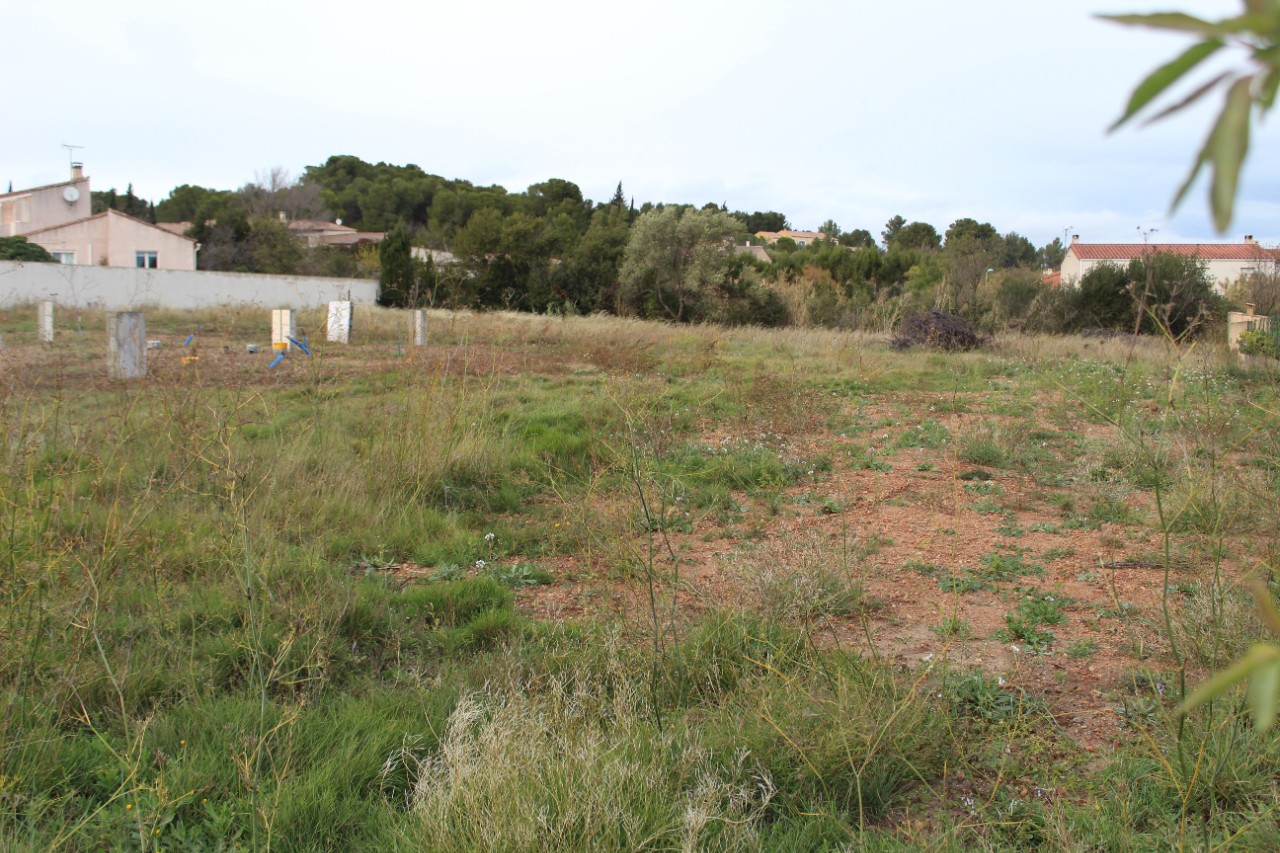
592	584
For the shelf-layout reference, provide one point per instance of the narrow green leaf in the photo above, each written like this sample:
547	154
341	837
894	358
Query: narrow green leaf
1266	605
1165	76
1264	8
1258	656
1267	93
1264	695
1190	99
1264	22
1191	178
1228	144
1167	21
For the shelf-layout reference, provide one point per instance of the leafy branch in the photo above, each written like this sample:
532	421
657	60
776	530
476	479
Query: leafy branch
1254	87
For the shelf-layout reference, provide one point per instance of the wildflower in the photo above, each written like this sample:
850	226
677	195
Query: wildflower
128	806
489	537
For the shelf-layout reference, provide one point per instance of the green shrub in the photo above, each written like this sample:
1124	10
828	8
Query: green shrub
1258	342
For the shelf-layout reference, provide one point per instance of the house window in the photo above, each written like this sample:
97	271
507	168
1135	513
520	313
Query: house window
64	257
145	260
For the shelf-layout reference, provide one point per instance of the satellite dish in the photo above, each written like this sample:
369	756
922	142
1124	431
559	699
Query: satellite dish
71	194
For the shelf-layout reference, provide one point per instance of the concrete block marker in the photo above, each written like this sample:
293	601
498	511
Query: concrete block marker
340	322
44	322
420	327
281	328
127	344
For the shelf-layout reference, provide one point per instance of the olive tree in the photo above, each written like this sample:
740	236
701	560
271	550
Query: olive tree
676	258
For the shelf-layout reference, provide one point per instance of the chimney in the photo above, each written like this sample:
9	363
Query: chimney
77	171
1248	238
1075	238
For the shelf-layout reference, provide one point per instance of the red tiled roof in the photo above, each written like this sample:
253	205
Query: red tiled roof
319	225
1206	251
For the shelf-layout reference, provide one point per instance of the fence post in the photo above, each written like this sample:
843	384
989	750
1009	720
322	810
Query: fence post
281	328
420	327
339	329
127	344
44	322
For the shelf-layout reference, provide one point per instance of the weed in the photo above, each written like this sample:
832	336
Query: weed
953	627
1081	649
989	698
1026	631
986	447
998	568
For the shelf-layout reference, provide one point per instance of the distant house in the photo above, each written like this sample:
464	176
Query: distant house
318	232
1224	262
60	218
756	252
801	238
115	239
438	257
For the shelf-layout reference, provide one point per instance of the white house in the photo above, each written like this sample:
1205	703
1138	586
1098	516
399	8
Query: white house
1224	262
59	217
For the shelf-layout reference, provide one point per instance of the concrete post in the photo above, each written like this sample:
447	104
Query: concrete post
281	328
340	322
127	344
420	327
44	322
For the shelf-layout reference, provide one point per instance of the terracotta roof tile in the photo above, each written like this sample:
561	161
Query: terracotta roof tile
1207	251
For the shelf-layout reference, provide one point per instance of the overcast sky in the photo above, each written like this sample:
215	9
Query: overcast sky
853	110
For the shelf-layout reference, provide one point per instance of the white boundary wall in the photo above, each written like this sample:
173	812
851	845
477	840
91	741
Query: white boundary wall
127	289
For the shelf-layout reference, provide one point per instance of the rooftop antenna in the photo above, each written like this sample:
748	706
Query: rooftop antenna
71	153
1146	233
1066	234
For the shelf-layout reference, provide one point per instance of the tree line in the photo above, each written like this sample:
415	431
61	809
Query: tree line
549	249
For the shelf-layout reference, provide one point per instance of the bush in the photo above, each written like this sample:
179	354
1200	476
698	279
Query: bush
937	330
1257	342
1173	292
19	249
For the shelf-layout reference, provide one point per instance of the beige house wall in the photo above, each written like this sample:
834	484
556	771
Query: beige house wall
87	238
45	206
114	239
127	236
1222	273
